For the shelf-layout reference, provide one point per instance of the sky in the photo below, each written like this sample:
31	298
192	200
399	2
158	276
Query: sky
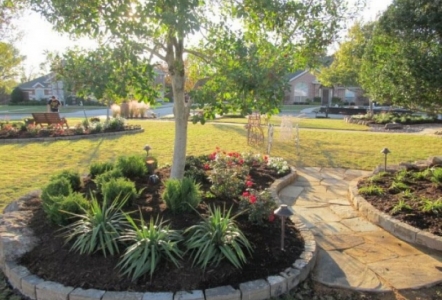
39	36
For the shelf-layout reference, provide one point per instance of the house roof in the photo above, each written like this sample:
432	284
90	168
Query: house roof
295	75
43	80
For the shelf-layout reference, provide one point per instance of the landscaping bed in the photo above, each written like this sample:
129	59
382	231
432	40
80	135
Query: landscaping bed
53	259
26	130
412	196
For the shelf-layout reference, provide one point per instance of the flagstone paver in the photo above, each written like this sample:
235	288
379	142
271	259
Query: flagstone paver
353	252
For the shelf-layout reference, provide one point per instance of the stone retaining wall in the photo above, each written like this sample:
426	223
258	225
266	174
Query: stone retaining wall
16	239
70	137
397	228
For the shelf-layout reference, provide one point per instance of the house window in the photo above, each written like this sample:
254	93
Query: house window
349	96
39	93
301	92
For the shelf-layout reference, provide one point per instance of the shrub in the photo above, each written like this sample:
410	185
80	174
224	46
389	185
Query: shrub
72	176
258	206
196	167
181	195
131	166
98	168
61	209
115	124
96	127
119	188
229	173
217	238
148	245
56	187
98	228
107	176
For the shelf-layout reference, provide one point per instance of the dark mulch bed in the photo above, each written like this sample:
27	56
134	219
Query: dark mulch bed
52	260
415	216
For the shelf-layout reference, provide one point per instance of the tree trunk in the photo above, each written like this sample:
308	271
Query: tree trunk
181	112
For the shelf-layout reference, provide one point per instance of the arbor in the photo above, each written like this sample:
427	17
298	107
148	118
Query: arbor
403	61
301	29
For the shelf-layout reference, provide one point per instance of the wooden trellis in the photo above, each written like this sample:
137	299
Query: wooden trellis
255	134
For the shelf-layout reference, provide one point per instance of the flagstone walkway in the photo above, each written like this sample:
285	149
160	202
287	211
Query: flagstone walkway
354	253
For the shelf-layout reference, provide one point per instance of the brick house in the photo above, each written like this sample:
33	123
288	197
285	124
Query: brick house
46	86
304	87
42	88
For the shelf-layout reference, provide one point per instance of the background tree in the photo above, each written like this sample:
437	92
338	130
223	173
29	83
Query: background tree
10	61
403	61
345	68
164	29
106	73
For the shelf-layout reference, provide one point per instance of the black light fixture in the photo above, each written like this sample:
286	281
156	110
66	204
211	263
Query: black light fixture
385	151
283	211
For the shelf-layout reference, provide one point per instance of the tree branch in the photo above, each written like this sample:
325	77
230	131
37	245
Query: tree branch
154	51
198	54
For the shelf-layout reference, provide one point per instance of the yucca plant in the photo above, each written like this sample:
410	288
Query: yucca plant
148	245
97	228
216	238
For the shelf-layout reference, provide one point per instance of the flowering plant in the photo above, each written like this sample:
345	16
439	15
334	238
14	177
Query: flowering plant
259	206
228	174
278	164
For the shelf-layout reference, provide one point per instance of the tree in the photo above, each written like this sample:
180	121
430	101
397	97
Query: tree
165	29
403	61
345	69
9	10
17	95
10	61
107	73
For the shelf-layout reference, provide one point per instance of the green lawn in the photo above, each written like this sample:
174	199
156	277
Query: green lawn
27	166
335	124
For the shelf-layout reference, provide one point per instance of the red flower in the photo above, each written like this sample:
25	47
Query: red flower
271	218
206	167
245	194
249	183
252	198
241	161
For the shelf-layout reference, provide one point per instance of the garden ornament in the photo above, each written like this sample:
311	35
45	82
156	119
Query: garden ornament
283	211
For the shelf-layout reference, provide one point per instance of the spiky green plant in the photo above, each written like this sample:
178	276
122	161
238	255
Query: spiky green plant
430	205
97	228
374	190
148	245
215	238
402	205
379	177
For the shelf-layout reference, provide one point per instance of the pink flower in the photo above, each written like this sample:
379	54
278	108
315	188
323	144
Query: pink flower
241	161
206	167
245	194
252	198
271	218
249	183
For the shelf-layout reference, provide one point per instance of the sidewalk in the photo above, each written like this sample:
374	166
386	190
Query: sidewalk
354	253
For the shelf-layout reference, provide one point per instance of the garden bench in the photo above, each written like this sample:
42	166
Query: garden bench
49	119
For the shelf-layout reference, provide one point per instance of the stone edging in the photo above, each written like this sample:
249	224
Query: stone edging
16	239
70	137
397	228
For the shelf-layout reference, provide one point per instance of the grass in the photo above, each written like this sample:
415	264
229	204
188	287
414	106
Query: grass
27	166
335	124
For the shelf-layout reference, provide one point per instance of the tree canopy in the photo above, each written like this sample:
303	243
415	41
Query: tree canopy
10	61
242	42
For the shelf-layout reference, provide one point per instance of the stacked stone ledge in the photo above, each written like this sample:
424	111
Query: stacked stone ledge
399	229
16	239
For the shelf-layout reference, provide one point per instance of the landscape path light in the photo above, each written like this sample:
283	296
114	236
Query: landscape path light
385	151
283	211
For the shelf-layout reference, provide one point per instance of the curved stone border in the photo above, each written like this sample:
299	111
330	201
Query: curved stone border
397	228
16	239
70	137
